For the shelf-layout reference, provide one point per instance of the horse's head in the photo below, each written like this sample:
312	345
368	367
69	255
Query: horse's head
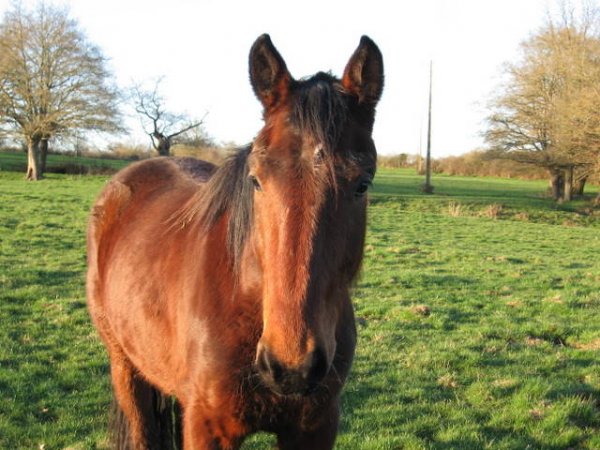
311	166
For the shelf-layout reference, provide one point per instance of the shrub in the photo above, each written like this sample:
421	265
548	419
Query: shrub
396	161
480	163
215	155
454	209
492	211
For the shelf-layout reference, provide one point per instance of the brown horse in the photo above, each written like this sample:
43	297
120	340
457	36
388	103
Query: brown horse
228	288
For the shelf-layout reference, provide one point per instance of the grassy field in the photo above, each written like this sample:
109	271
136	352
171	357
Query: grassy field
478	314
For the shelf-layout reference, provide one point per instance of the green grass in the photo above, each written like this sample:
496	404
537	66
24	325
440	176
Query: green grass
479	325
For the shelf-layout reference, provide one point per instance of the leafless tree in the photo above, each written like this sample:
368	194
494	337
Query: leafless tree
547	113
53	81
161	125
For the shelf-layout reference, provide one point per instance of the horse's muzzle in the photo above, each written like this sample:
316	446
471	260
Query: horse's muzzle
301	380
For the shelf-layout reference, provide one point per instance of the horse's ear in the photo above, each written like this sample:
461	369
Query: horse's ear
363	75
269	76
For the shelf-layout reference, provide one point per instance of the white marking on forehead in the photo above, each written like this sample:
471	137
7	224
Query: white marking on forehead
318	154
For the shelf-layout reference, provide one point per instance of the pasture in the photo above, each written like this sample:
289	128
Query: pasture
478	315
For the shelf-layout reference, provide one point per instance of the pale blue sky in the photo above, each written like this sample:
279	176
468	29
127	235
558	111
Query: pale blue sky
201	48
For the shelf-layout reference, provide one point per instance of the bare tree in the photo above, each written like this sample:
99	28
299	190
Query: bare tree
53	81
547	113
164	125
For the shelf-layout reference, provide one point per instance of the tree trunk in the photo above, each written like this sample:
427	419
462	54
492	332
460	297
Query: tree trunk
568	191
579	186
161	143
33	160
43	156
557	184
164	147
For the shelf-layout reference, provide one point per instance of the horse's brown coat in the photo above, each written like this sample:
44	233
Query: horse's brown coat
237	301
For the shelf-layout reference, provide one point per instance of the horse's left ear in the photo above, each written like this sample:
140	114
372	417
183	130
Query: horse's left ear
363	75
268	73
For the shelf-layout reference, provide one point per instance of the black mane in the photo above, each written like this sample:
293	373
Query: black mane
230	191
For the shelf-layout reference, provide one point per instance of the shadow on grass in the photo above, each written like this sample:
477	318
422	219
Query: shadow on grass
56	277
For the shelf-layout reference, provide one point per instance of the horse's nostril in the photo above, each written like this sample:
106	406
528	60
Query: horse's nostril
291	380
268	365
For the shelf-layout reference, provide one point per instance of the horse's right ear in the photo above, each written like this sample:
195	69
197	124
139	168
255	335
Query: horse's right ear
269	76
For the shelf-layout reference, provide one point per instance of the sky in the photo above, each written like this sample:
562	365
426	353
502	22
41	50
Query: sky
200	48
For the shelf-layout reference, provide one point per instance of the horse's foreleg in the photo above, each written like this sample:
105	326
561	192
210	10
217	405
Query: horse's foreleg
134	397
209	431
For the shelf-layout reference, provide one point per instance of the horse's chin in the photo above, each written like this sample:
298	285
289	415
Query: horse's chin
291	392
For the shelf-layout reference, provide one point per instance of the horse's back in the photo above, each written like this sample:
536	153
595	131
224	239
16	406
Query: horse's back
157	173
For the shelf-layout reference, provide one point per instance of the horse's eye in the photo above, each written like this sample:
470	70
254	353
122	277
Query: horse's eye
255	183
363	187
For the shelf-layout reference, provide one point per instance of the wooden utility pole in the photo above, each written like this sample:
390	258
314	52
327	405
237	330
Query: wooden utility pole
420	157
427	187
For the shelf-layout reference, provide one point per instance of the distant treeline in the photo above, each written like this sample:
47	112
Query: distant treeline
475	163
